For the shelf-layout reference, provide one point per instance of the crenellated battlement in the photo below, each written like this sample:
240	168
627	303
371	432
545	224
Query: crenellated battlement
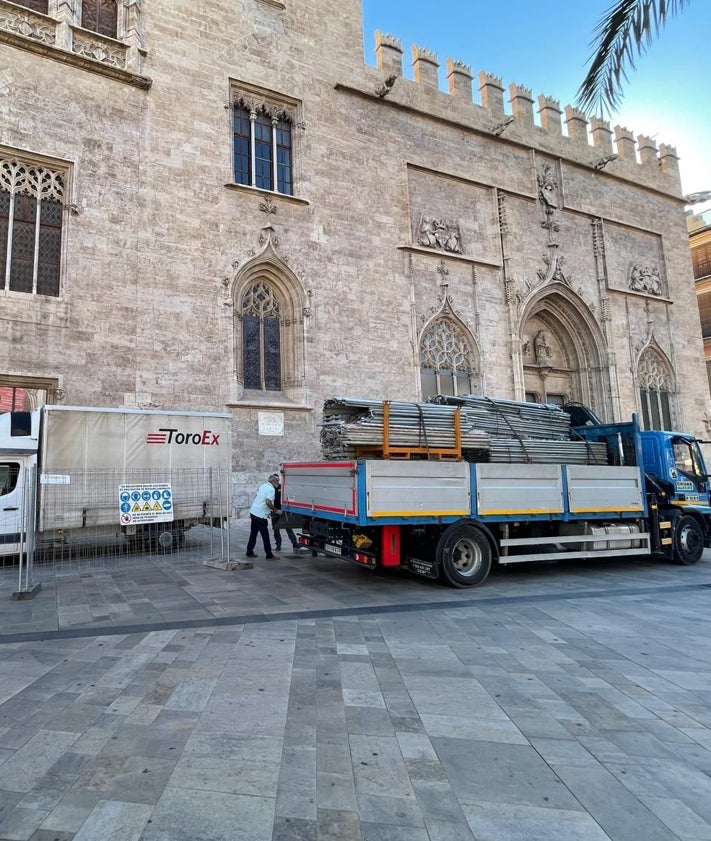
527	117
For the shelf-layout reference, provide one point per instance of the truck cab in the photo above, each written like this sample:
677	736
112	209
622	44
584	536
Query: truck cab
675	462
19	438
677	483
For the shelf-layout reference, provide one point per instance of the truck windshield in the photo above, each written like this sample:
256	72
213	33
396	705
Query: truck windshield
8	477
687	458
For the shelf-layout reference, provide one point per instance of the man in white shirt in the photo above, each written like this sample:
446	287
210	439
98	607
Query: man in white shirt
259	517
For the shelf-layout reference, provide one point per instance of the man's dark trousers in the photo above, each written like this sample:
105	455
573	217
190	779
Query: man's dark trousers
259	526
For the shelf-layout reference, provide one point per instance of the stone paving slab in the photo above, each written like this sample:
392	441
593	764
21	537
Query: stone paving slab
560	703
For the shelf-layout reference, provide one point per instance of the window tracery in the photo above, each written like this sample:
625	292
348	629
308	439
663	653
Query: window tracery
446	360
261	338
655	390
31	210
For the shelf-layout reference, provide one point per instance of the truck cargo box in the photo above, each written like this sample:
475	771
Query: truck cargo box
87	453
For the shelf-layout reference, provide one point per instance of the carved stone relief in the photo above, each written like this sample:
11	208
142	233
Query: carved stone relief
646	279
27	24
439	233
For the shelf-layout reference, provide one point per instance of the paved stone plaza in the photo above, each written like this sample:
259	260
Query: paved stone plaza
303	699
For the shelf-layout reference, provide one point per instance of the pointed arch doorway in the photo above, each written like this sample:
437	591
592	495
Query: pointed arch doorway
563	352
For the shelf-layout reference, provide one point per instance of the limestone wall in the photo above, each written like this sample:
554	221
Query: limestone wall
550	226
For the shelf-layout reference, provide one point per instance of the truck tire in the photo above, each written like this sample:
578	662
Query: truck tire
688	540
464	555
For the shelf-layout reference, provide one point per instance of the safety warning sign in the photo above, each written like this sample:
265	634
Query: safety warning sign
149	503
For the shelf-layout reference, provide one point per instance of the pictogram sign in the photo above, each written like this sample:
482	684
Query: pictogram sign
148	503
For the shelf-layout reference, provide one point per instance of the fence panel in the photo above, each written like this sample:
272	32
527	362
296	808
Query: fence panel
107	518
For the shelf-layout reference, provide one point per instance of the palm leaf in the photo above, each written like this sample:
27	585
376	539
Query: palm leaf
621	36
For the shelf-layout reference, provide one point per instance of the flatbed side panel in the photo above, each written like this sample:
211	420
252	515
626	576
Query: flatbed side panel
325	487
602	488
397	488
511	489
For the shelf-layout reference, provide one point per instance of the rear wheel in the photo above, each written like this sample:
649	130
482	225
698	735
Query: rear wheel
688	540
464	555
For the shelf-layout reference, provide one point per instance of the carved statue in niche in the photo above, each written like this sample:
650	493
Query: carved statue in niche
439	233
646	279
544	354
548	188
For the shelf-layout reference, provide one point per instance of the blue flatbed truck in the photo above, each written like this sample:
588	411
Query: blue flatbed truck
452	520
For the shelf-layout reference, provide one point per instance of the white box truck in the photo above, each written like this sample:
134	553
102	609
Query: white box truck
71	474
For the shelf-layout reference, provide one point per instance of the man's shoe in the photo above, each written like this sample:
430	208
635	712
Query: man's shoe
272	557
249	555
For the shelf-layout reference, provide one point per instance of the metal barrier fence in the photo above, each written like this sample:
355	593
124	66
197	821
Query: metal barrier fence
105	519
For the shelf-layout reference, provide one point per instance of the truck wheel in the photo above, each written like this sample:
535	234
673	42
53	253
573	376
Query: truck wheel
688	540
463	555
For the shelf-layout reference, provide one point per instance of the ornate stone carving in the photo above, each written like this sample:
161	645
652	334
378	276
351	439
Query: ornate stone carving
37	181
27	23
542	349
266	204
256	104
548	195
553	270
503	221
439	233
645	279
99	49
267	236
598	240
443	346
652	371
605	308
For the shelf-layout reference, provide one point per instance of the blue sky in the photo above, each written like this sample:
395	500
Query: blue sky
545	45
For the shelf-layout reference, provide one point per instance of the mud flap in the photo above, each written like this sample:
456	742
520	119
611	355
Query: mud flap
427	569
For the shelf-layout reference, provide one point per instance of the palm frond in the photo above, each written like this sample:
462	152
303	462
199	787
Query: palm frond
621	36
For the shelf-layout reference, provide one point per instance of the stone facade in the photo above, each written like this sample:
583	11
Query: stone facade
480	229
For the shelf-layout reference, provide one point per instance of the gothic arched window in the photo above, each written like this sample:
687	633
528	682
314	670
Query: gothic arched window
31	209
655	390
446	360
261	337
100	16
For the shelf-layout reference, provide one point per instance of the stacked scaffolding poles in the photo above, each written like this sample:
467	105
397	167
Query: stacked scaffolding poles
352	425
512	418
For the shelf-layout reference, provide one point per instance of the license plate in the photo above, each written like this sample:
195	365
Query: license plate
334	550
428	569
